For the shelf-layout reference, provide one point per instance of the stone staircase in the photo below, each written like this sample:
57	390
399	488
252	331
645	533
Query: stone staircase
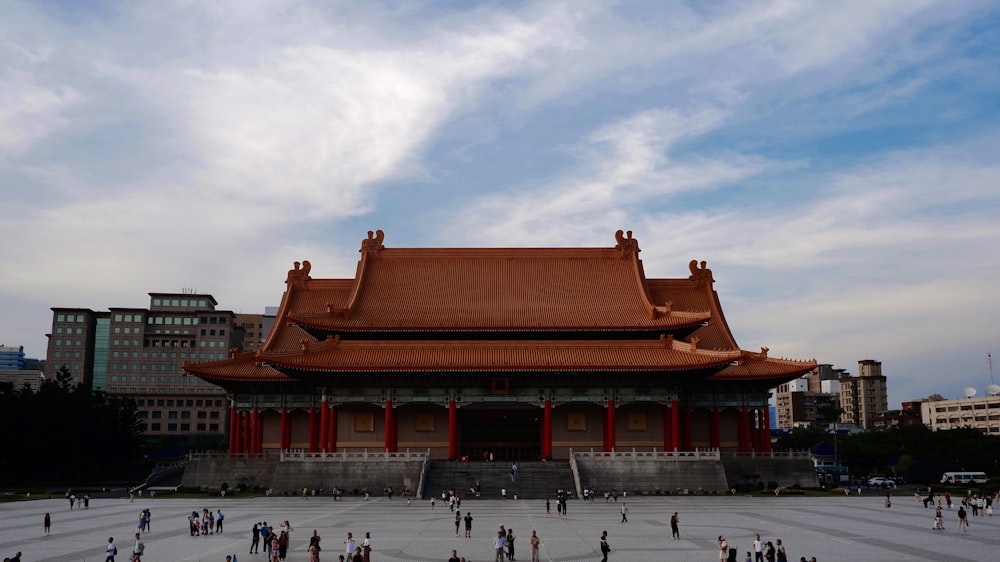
534	479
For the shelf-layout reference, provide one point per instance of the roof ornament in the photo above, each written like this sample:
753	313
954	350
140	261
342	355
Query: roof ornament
763	352
694	343
333	340
297	277
627	245
233	351
304	344
667	340
700	275
373	244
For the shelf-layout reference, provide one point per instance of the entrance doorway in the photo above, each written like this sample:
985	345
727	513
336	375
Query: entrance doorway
509	435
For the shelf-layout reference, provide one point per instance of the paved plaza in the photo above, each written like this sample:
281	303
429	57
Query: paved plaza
834	528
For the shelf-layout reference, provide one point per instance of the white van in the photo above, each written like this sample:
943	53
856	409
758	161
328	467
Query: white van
964	478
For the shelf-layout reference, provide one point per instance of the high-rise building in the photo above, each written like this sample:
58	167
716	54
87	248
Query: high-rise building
19	370
253	330
11	358
809	400
864	397
138	352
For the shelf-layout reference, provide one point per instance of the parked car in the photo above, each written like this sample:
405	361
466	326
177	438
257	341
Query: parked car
881	482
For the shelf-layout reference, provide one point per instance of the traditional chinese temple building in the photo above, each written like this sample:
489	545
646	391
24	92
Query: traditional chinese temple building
518	353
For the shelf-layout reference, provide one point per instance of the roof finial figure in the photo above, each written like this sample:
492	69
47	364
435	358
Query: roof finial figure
373	244
700	275
297	277
626	244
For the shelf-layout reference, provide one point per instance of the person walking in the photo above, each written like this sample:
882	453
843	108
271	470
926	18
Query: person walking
534	542
218	521
675	531
349	545
758	549
605	547
314	541
139	549
47	523
963	521
779	548
468	524
548	508
458	521
510	544
498	545
255	539
111	550
624	513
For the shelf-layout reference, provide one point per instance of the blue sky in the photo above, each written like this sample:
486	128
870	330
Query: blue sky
835	163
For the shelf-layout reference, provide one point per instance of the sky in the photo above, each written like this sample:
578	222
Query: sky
835	163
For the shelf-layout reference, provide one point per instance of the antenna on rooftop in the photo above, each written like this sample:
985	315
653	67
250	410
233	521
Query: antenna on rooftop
992	389
969	392
989	361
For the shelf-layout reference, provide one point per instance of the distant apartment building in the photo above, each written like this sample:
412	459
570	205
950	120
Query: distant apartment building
865	396
138	352
19	370
253	330
812	399
981	413
11	358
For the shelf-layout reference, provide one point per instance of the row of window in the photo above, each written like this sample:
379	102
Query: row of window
174	414
59	330
184	303
160	390
69	318
170	403
78	343
184	427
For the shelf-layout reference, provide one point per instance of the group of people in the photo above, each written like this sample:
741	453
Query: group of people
763	551
354	551
275	540
207	523
134	555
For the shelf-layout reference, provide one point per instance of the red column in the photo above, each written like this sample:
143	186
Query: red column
609	425
715	437
324	423
331	434
675	424
233	435
452	430
313	431
547	430
744	427
390	425
686	435
283	431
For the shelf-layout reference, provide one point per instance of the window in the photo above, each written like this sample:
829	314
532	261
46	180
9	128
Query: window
171	427
60	317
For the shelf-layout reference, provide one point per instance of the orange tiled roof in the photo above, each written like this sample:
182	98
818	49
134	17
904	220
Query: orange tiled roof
759	367
500	289
241	367
491	289
503	355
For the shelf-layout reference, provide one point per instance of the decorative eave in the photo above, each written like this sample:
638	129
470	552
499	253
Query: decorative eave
335	355
759	368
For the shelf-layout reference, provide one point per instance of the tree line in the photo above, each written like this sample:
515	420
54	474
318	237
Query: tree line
910	451
64	434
